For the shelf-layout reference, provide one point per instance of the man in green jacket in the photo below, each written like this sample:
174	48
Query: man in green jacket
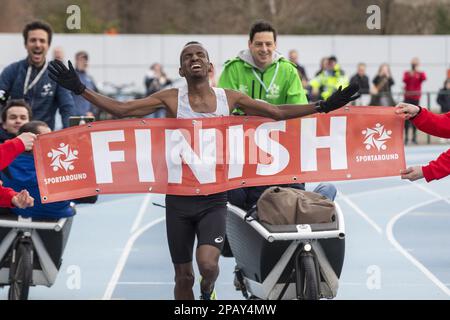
263	73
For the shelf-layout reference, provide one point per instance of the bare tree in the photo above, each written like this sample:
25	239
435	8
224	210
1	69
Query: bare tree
233	16
14	14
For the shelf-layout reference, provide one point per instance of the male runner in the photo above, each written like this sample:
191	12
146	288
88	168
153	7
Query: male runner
188	216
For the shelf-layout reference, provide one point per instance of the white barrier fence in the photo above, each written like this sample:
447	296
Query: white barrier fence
124	59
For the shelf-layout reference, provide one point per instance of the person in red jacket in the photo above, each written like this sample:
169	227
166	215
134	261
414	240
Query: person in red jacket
8	151
436	125
413	90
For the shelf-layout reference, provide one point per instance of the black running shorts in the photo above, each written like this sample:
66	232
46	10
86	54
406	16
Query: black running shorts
187	216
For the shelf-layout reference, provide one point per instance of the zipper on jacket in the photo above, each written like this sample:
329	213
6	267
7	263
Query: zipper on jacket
253	89
260	85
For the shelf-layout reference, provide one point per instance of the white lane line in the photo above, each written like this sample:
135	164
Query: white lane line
368	192
414	261
146	283
140	215
155	283
391	284
171	283
84	208
360	212
375	180
429	191
123	258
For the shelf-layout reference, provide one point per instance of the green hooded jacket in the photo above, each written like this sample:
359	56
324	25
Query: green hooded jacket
278	84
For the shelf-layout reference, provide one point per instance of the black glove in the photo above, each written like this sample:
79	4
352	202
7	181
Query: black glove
4	95
338	99
66	78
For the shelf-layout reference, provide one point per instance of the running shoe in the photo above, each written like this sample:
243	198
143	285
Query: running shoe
207	296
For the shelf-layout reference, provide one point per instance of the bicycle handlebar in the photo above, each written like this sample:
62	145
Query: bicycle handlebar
27	224
119	87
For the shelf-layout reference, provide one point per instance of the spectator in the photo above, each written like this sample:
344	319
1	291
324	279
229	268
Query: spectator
443	98
361	79
21	174
329	80
293	57
15	114
322	66
263	73
435	124
12	148
82	106
256	70
58	53
155	80
381	90
28	78
413	86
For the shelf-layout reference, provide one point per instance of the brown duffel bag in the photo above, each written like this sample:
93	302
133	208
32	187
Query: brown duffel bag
279	205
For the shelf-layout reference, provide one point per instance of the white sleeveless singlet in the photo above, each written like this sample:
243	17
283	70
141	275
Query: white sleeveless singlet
184	109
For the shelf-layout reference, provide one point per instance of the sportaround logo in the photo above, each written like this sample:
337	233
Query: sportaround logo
274	92
63	157
376	137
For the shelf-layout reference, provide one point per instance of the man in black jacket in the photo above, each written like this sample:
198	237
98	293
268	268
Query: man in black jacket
361	79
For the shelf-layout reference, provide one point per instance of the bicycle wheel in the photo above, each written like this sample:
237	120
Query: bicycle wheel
307	278
21	272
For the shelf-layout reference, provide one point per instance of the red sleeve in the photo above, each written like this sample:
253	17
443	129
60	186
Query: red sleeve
423	76
405	77
6	195
9	151
438	168
435	124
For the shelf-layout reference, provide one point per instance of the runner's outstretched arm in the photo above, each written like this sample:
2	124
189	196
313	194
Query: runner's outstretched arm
138	107
283	112
68	78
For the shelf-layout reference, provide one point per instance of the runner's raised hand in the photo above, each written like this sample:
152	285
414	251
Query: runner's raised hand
67	78
339	98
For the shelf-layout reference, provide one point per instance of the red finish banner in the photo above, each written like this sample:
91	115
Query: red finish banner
209	155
